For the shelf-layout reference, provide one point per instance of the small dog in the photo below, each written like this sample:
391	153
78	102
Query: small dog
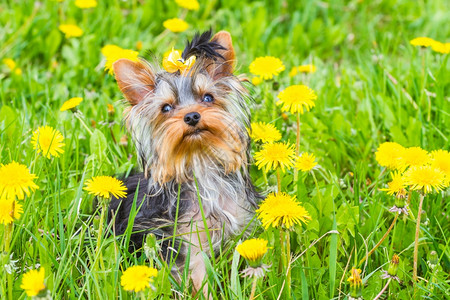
190	131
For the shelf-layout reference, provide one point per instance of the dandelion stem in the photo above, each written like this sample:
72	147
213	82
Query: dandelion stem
416	241
278	180
381	241
288	265
297	146
78	116
383	290
252	295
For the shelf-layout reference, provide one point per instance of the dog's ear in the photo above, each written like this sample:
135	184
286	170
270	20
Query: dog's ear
135	79
223	67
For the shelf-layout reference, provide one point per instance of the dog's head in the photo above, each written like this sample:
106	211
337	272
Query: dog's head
192	116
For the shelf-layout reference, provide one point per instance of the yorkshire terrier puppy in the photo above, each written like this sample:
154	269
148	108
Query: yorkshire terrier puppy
189	124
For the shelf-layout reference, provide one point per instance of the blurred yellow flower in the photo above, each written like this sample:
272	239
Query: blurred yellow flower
113	53
33	282
253	251
137	278
422	41
397	185
306	162
281	210
275	155
12	66
139	45
48	141
86	3
425	178
440	159
266	67
105	186
296	97
389	155
443	48
256	80
10	210
264	132
16	181
175	25
71	103
188	4
355	279
307	68
173	62
414	156
293	72
71	30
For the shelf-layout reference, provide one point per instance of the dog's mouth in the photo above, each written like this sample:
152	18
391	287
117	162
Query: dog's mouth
195	133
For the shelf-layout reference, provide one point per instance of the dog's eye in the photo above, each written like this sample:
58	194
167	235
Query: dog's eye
208	98
166	108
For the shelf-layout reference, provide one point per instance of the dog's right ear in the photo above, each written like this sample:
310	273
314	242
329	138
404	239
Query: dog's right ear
135	79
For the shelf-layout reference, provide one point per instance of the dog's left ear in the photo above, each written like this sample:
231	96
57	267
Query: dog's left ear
223	67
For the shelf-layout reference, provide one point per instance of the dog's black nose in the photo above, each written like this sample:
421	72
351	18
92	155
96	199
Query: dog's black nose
192	118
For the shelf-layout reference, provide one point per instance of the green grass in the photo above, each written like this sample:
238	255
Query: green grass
372	87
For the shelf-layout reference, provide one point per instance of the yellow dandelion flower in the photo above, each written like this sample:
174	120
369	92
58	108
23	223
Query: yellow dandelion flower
188	4
71	103
33	282
11	64
414	156
173	62
389	155
274	155
306	162
113	53
176	25
266	67
86	3
10	210
70	30
48	141
256	80
307	68
443	48
293	71
18	71
16	181
281	210
355	279
264	132
425	178
296	97
440	159
137	278
105	186
397	185
422	41
253	251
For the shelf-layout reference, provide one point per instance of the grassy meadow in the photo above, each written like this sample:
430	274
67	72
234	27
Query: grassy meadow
372	87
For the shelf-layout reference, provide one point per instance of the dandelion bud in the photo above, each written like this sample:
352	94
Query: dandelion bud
433	259
355	283
96	222
275	85
150	246
139	45
393	265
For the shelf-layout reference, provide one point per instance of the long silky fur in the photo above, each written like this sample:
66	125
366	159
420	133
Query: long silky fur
228	198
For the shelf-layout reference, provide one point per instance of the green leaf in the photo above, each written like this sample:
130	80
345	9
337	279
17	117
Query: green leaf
8	120
98	144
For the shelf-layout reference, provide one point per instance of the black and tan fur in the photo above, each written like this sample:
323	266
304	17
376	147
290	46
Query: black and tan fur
212	154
